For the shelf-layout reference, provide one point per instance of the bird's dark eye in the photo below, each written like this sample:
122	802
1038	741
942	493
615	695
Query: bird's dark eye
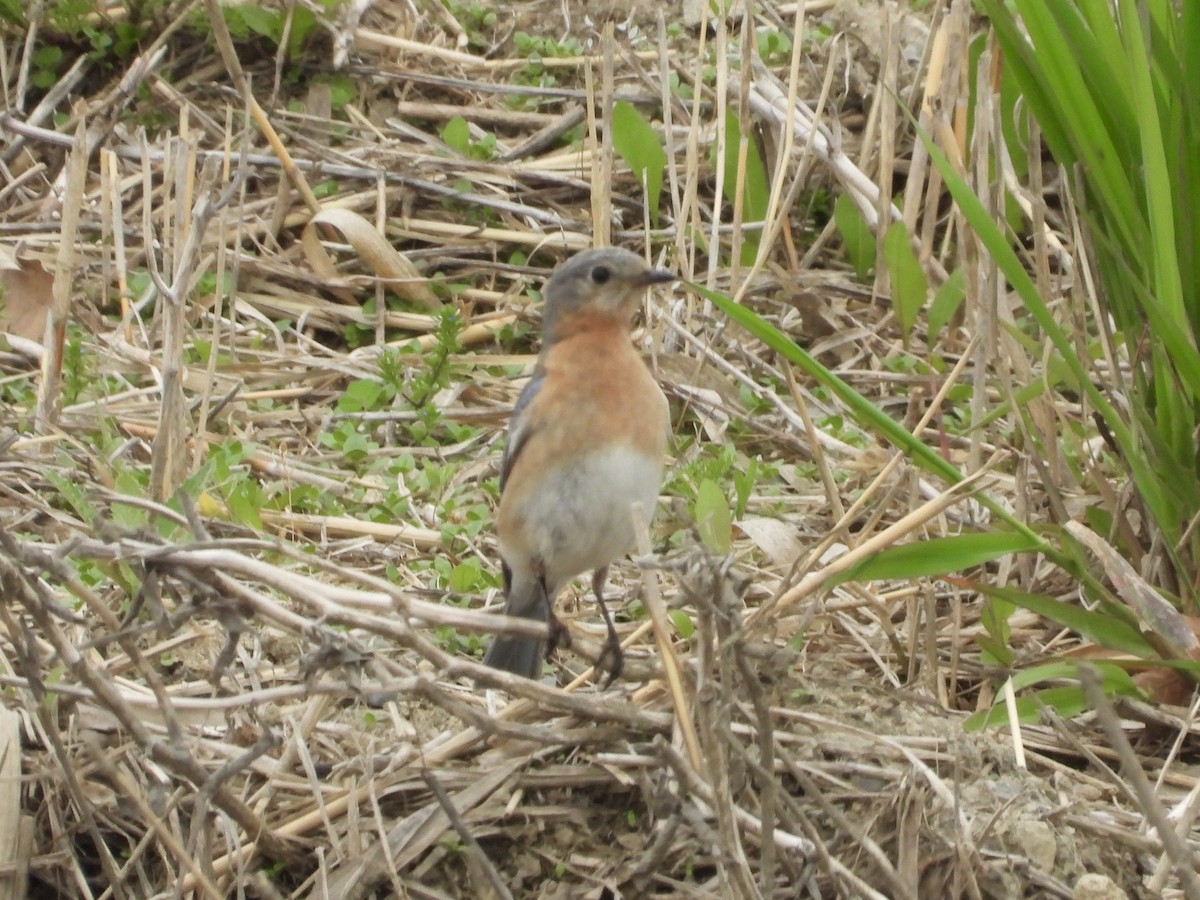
600	274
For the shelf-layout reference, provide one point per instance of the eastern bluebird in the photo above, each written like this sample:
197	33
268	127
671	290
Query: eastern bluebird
586	440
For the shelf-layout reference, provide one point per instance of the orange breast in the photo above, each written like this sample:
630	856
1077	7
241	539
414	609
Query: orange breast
597	399
598	382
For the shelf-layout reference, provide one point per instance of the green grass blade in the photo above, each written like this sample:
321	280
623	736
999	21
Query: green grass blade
1159	191
938	556
909	285
1066	700
1114	627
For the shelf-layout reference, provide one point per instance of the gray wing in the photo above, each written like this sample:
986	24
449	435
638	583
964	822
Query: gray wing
518	429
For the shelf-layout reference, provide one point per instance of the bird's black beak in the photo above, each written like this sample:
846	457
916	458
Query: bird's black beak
657	276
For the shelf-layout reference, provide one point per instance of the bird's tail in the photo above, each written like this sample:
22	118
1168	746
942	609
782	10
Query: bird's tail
516	653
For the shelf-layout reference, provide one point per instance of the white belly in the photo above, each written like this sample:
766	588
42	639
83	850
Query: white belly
581	518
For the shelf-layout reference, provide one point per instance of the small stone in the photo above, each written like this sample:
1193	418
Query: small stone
1035	840
1094	886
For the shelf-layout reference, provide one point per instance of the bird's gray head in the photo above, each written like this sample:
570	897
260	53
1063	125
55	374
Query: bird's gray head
609	282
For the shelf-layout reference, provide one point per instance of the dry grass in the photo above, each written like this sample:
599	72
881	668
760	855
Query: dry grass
264	682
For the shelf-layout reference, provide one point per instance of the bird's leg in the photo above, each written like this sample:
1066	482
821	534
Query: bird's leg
558	631
612	644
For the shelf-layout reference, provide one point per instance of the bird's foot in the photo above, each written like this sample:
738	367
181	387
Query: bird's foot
612	656
560	636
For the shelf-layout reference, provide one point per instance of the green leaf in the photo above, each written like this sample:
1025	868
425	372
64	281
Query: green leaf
909	285
457	135
640	146
130	518
684	626
243	499
994	651
946	301
47	56
342	91
744	481
265	22
857	237
1068	700
755	188
996	613
326	189
304	20
939	556
757	197
1107	628
465	577
74	496
362	395
712	517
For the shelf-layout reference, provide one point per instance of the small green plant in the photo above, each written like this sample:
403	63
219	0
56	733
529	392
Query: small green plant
457	135
534	73
76	20
301	498
366	395
343	90
479	20
70	28
818	33
680	88
79	368
703	480
392	507
131	483
207	286
47	65
480	215
69	495
243	500
536	47
348	439
467	520
225	476
775	47
469	577
247	19
434	375
685	627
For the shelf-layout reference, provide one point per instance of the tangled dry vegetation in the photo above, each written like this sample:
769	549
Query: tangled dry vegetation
245	546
